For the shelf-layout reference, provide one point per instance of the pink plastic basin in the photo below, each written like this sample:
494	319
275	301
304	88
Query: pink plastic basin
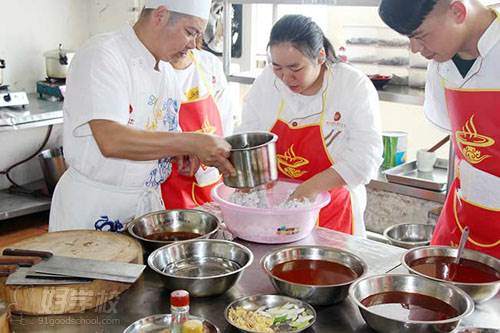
269	225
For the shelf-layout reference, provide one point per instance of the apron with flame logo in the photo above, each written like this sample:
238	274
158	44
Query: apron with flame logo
475	122
197	114
302	153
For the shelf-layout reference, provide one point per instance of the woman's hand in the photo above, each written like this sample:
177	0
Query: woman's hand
323	181
304	191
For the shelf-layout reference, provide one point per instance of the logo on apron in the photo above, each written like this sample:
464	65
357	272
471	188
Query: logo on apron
192	94
104	223
289	163
469	140
206	127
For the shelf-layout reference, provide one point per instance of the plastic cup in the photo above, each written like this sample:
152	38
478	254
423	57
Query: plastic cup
425	160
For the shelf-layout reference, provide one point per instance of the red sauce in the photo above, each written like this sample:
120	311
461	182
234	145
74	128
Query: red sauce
172	236
314	272
409	306
468	271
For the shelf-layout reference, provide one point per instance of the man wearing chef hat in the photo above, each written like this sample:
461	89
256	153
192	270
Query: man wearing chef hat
121	120
462	95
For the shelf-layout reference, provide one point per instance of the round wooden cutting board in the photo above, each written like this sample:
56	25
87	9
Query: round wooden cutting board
74	298
4	318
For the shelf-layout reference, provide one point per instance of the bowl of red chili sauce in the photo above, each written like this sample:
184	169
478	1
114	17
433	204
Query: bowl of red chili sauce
318	275
478	274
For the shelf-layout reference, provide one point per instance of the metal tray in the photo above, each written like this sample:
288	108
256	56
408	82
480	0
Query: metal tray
407	174
254	302
161	322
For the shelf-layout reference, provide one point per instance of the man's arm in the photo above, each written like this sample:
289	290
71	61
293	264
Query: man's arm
119	141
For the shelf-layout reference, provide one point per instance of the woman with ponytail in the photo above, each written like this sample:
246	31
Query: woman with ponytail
326	116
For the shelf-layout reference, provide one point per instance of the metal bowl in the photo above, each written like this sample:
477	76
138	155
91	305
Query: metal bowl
313	294
158	323
204	267
376	284
480	292
180	220
252	303
253	155
409	235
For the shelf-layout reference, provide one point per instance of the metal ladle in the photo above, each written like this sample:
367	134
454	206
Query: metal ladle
461	245
453	267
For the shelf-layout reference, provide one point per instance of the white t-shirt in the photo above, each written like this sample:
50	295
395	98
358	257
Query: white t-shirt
484	74
357	150
112	77
189	79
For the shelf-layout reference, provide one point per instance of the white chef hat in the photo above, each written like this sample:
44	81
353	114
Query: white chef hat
199	8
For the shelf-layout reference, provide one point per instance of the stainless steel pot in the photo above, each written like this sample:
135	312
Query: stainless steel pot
53	166
253	155
57	62
2	67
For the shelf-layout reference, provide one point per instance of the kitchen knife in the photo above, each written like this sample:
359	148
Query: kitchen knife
23	276
79	267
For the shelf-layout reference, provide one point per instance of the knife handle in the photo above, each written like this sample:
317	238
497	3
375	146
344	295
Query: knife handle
6	270
19	260
29	253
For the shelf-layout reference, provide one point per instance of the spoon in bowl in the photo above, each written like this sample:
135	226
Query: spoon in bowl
453	267
461	245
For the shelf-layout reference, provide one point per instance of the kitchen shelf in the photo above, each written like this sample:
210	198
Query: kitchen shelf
38	113
18	204
390	93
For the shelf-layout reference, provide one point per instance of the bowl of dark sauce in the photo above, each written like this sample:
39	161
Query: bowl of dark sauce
318	275
478	274
410	303
164	227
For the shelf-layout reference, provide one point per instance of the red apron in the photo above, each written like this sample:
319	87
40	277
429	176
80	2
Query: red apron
302	153
475	123
199	115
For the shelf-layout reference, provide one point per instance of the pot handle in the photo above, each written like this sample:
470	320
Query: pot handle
63	58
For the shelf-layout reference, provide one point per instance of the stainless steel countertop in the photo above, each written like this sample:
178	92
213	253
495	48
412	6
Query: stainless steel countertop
148	296
36	114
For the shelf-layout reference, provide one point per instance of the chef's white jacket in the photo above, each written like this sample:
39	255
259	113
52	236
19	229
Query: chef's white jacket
476	186
112	77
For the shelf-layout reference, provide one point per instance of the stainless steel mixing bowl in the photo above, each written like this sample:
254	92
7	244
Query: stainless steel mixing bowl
176	220
480	292
253	155
376	284
409	235
204	267
313	294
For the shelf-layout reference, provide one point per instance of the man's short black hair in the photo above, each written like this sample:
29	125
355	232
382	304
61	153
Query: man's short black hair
405	16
